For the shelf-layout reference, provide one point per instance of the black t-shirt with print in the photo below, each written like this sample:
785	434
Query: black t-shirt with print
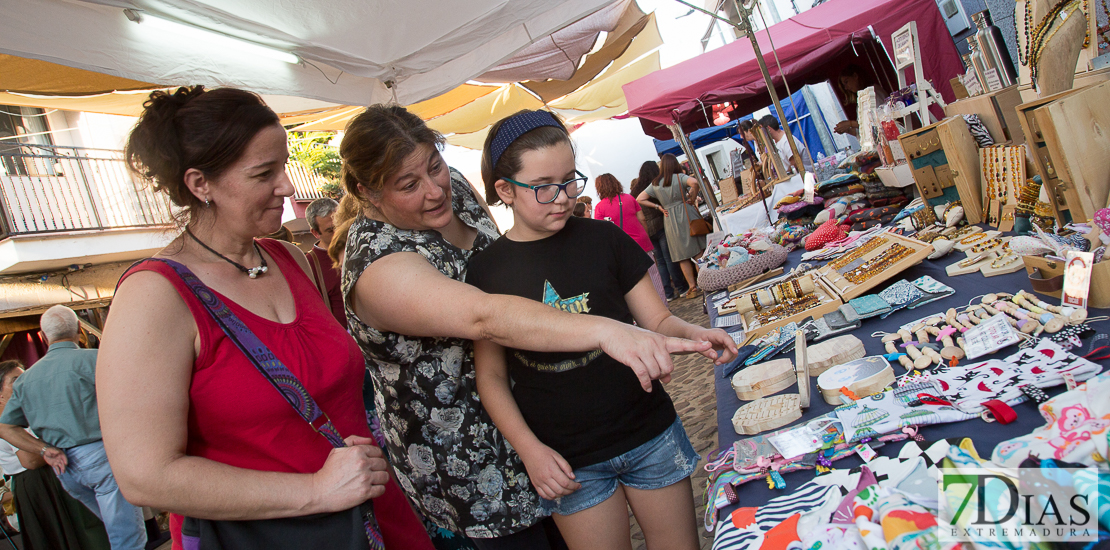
587	406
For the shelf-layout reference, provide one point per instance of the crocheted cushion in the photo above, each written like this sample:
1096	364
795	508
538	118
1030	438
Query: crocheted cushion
711	280
827	233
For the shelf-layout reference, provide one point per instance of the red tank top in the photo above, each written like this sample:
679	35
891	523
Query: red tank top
236	417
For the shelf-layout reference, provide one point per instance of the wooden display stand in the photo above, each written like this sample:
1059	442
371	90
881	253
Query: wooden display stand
846	290
829	302
1042	161
1075	131
1099	296
996	110
944	156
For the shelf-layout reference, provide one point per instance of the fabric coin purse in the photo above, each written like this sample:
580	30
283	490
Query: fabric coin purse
900	295
869	306
931	290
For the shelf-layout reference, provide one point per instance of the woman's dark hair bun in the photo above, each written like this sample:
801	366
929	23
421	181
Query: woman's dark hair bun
192	127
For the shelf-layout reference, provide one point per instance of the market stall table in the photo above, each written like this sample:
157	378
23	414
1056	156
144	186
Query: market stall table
754	216
986	436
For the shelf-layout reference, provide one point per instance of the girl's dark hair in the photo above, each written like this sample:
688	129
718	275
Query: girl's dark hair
608	186
579	209
375	145
509	163
193	128
649	172
669	167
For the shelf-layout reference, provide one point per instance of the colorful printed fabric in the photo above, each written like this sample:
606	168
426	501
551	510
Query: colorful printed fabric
746	528
1077	424
931	290
969	386
891	410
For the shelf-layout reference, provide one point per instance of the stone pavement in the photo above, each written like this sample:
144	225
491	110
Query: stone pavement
691	389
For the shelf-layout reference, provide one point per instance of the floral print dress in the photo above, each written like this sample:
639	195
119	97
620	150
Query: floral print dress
451	461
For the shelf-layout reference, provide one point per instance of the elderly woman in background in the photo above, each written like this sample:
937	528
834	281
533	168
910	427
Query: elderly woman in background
676	193
192	423
415	320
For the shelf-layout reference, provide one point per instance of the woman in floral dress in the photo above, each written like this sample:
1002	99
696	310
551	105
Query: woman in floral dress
414	319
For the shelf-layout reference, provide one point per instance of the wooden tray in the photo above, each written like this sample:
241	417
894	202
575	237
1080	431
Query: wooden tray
763	379
862	377
767	413
833	352
829	302
847	290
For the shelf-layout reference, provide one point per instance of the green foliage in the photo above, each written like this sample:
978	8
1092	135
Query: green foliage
312	151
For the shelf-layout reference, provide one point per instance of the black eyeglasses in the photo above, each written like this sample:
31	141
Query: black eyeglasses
547	193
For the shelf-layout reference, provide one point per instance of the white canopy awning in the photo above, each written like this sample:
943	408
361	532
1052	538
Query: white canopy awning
350	48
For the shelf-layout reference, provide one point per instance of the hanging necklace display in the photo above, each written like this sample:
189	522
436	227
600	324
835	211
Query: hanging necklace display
252	272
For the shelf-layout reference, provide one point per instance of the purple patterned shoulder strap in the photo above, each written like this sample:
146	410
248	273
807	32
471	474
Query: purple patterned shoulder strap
275	372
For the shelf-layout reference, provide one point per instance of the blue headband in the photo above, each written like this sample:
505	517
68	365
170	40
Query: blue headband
516	126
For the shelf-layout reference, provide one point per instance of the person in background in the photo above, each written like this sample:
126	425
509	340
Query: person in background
343	217
852	80
191	422
579	210
669	273
771	124
589	202
622	209
319	218
57	399
48	517
676	193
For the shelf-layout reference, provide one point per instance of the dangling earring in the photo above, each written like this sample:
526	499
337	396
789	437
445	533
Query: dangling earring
207	203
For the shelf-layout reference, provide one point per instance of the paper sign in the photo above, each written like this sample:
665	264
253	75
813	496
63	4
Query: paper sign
903	48
989	336
810	185
1077	278
993	81
727	320
971	82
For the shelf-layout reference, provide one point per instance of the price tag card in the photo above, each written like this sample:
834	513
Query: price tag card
810	185
989	336
994	82
866	453
727	320
1077	278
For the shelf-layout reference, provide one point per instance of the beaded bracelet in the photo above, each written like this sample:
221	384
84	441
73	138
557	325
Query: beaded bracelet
986	245
1005	261
973	238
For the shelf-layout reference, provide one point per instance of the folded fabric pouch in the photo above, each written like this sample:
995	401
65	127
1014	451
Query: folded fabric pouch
900	295
869	306
931	290
837	322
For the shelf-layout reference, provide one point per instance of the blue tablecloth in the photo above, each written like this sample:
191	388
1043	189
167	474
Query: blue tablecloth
986	436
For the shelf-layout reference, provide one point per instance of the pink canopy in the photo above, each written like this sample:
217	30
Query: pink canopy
812	47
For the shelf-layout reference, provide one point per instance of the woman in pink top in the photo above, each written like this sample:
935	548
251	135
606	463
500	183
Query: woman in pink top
622	209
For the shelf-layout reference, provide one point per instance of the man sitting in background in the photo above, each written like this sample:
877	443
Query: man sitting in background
779	135
56	398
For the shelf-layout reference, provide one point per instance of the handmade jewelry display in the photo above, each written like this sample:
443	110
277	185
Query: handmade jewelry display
872	264
1003	170
780	294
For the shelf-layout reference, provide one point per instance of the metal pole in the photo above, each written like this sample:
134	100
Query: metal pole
746	26
691	155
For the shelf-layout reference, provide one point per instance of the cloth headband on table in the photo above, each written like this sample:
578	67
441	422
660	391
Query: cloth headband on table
516	126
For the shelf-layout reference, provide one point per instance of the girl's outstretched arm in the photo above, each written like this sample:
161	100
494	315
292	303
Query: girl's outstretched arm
550	474
652	314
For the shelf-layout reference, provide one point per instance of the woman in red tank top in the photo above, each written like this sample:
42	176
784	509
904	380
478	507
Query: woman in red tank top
190	425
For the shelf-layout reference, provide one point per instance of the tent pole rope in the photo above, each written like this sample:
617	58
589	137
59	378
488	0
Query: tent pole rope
789	93
745	26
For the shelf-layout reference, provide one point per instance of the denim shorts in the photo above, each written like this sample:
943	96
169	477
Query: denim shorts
661	462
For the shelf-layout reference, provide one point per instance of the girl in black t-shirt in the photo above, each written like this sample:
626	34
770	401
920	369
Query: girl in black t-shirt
595	436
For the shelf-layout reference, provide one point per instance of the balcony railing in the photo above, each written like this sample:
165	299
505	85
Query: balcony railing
46	189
